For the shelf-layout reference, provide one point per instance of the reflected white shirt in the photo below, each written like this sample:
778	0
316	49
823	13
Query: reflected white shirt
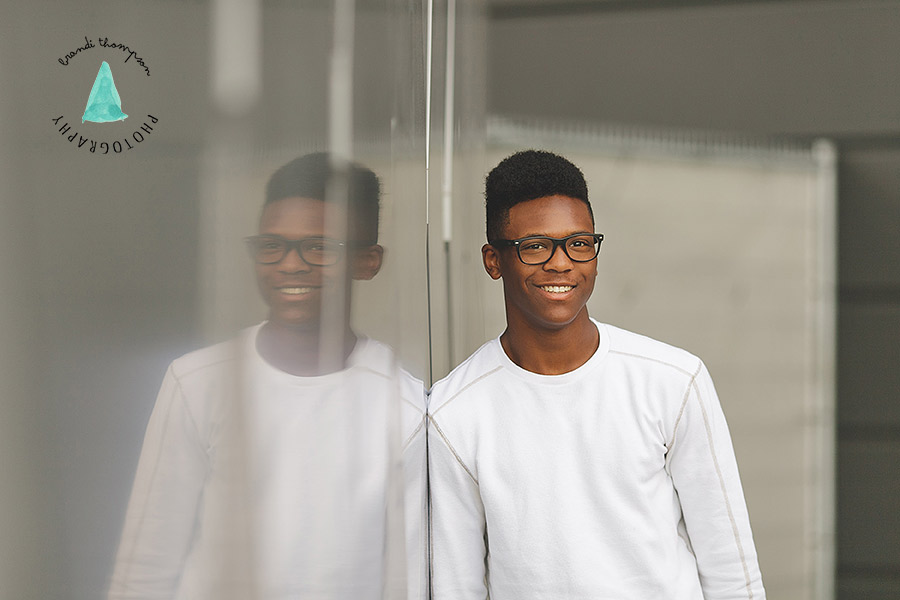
256	483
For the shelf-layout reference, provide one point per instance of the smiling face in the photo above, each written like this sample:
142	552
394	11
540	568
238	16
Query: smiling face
293	289
551	296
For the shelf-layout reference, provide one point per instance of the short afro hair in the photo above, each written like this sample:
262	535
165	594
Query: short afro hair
528	175
309	177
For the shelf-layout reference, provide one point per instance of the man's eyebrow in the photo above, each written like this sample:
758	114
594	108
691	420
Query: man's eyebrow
541	234
292	239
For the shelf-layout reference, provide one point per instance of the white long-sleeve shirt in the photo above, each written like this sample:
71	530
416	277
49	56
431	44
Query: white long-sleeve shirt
615	481
254	483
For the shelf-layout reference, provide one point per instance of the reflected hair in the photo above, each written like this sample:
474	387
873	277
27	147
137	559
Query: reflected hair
309	177
528	175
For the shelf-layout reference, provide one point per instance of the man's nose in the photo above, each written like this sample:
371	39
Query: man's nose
292	262
559	260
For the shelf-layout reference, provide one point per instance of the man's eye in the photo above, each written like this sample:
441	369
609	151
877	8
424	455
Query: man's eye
582	242
270	245
534	246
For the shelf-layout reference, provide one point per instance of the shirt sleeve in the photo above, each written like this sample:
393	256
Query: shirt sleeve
161	516
705	474
415	498
458	542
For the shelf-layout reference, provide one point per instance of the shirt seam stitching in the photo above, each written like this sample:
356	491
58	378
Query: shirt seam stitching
452	449
734	527
684	401
656	360
179	391
465	387
412	435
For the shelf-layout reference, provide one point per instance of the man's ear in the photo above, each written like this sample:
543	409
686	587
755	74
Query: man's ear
367	262
491	260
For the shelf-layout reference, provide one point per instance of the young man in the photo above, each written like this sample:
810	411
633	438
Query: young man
270	467
571	459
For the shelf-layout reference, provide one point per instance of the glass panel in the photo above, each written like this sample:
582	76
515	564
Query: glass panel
285	451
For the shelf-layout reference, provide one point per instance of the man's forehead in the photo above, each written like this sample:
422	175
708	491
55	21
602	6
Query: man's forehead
299	217
553	212
296	210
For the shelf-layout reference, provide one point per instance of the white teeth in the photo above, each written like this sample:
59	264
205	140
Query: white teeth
296	291
556	289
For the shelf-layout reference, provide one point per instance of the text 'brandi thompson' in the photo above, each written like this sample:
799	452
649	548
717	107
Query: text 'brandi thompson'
105	43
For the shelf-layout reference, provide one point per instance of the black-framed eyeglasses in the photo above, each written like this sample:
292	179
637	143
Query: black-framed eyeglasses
315	251
538	249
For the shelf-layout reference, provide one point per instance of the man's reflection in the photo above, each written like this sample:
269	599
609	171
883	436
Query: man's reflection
270	466
298	266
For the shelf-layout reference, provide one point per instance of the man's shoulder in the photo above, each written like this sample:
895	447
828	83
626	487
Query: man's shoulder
379	359
213	362
640	349
480	366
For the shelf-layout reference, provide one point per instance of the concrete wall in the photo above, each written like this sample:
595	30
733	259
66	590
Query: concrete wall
795	68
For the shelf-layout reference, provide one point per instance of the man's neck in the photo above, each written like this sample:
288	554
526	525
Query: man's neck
551	351
303	351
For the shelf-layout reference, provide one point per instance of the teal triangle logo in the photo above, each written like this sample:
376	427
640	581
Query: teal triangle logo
104	104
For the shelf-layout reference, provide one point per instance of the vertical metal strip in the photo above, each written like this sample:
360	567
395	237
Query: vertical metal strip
340	137
340	101
236	86
825	453
447	187
428	66
236	78
449	139
429	34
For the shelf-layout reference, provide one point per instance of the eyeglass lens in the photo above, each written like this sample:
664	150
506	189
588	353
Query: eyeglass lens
536	251
315	251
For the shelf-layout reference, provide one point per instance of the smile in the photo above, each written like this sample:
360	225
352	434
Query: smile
295	291
557	289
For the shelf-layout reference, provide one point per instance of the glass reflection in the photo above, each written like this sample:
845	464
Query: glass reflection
278	464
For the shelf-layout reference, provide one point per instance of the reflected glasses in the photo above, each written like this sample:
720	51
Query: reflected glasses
537	249
315	251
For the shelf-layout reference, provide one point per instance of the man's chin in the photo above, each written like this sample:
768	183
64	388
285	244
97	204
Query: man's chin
561	320
302	323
